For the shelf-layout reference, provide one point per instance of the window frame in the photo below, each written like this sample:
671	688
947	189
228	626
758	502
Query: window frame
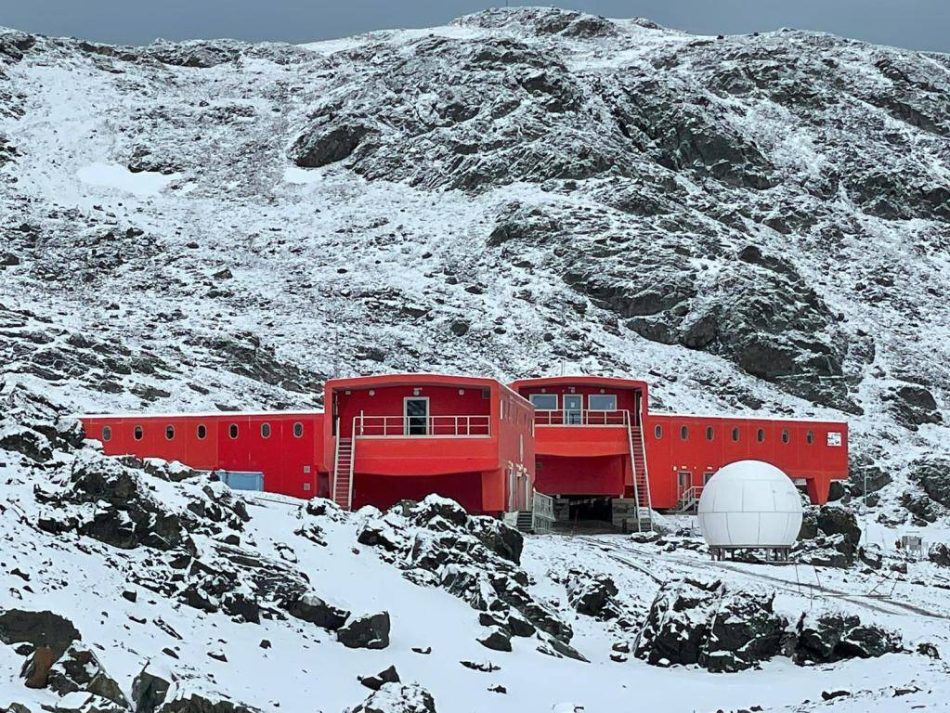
684	432
138	432
201	432
710	433
591	397
233	431
265	430
170	432
298	429
736	434
106	434
658	432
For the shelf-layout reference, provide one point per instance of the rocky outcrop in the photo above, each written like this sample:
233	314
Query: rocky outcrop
832	637
829	537
706	623
932	474
397	698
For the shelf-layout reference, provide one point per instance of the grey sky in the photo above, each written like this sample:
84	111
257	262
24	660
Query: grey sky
918	24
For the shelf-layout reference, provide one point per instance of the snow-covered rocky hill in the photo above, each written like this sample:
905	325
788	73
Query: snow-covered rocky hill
752	223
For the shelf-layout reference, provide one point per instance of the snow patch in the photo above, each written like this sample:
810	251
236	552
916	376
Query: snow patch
113	175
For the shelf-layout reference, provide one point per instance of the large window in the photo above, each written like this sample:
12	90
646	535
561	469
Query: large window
544	402
602	402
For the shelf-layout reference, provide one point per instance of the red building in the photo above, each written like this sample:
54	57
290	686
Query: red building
488	446
595	436
285	446
394	437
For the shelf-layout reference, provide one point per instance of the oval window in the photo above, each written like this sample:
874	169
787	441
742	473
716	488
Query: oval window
658	432
760	435
810	437
785	436
298	429
106	433
735	435
710	434
233	431
169	433
684	432
202	431
265	430
138	433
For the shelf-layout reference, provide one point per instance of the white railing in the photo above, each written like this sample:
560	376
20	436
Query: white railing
581	417
426	426
689	497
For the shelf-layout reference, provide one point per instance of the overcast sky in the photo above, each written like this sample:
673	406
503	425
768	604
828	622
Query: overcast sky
918	24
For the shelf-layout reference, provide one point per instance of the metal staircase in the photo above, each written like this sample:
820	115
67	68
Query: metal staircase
689	499
343	472
641	478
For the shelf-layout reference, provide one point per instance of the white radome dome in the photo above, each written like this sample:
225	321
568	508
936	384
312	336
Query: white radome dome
750	504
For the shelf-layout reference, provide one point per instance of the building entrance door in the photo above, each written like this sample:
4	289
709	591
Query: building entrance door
573	408
416	416
684	483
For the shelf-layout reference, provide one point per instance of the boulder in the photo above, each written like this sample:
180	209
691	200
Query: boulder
310	607
707	623
366	632
932	473
498	537
397	698
80	670
320	146
914	406
834	636
939	554
387	675
835	520
149	690
497	639
591	593
42	628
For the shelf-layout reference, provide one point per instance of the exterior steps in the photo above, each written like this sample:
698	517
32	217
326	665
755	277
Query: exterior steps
642	507
521	520
343	473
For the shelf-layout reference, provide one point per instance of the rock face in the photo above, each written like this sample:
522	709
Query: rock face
41	629
591	594
693	622
829	537
80	670
932	474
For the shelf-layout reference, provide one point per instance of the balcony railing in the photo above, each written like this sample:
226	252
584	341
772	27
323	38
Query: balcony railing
581	417
422	426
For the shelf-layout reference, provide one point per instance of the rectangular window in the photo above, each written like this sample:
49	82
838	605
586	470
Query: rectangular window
602	402
544	402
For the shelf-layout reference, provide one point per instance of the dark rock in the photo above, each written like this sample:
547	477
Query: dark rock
459	327
367	632
497	640
149	691
130	595
591	594
929	650
80	670
915	406
837	693
388	675
312	608
833	637
9	260
197	703
932	473
319	147
939	554
705	623
41	629
836	520
484	667
498	537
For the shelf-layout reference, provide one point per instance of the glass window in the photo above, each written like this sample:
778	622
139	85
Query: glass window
810	437
233	431
684	432
265	430
785	436
658	431
710	433
544	402
602	402
735	435
169	433
760	435
202	431
298	429
106	433
138	433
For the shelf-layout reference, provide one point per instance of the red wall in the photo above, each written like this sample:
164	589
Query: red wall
516	448
669	454
289	463
599	475
384	492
